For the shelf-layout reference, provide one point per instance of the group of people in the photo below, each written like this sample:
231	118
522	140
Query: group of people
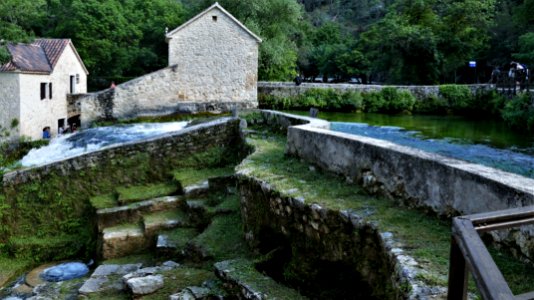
61	130
518	73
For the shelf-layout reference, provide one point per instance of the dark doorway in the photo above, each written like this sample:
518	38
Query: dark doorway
60	126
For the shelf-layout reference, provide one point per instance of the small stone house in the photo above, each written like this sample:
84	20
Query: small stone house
216	57
35	84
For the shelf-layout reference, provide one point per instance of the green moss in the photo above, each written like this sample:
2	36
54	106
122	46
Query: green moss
189	176
180	236
10	268
519	275
223	238
104	201
424	237
178	279
160	217
47	248
139	193
244	272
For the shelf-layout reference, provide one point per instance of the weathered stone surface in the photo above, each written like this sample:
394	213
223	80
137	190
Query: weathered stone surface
108	217
175	146
320	234
107	277
145	285
288	89
196	190
122	241
420	179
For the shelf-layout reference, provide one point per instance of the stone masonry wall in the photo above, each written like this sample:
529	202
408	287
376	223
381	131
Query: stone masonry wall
194	139
443	185
157	93
217	60
287	89
9	102
318	235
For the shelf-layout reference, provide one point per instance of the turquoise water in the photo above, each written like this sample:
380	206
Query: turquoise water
485	142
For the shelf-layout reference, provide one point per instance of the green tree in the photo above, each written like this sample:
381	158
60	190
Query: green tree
17	21
278	23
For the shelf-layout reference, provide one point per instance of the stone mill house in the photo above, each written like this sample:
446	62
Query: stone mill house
213	66
35	83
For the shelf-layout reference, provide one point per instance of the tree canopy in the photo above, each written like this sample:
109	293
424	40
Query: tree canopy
391	41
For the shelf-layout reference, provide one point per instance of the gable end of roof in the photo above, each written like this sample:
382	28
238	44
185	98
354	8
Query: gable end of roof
216	5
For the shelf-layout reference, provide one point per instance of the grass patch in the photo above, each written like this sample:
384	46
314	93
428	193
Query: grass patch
180	236
104	201
47	248
424	237
514	272
223	238
139	193
189	176
244	272
10	268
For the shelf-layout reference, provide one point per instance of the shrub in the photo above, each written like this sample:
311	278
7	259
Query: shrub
490	103
373	101
458	97
397	101
431	105
518	113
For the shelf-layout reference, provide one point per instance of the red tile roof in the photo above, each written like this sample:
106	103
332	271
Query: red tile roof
41	56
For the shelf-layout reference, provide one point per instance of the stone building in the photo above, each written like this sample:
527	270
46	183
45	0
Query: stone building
216	57
34	86
213	67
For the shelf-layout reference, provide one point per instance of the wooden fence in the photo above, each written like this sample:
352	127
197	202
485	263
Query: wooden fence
469	254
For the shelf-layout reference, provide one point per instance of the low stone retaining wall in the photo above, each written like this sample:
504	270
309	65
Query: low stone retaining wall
157	93
283	121
320	238
194	139
443	185
288	89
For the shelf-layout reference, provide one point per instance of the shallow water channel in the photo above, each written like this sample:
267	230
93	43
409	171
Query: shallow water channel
485	142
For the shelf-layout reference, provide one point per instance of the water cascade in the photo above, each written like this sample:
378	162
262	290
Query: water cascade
93	139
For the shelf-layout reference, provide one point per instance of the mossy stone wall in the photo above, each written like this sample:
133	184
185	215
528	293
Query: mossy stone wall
317	240
49	205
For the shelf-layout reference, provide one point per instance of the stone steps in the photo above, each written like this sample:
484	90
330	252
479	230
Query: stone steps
156	222
250	283
108	217
123	240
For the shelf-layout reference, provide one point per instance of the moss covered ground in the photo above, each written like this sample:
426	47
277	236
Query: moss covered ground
424	237
189	176
133	194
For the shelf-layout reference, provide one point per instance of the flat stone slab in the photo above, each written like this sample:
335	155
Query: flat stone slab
123	240
197	189
145	285
164	220
108	217
107	277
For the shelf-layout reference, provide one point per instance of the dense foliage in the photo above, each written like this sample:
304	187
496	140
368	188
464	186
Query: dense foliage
391	41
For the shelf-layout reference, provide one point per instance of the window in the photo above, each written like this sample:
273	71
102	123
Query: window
73	84
214	18
43	90
46	90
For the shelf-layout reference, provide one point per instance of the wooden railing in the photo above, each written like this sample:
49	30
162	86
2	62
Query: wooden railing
469	254
509	87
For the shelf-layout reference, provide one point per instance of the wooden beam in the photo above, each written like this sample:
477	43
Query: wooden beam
526	296
488	277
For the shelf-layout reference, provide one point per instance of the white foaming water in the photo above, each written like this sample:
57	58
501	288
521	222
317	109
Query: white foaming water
93	139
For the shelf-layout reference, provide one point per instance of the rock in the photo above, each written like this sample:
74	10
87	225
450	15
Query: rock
169	265
145	285
183	295
199	292
107	277
65	271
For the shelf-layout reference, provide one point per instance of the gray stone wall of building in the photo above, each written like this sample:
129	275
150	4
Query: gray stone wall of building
288	89
154	94
217	60
194	139
443	185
